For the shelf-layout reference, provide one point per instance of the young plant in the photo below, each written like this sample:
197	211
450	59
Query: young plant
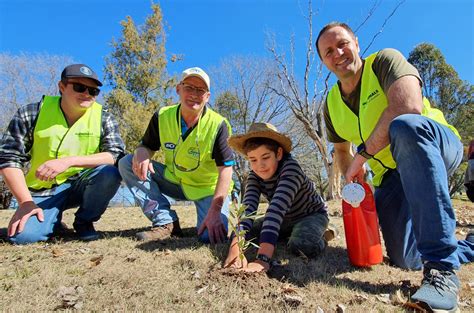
238	214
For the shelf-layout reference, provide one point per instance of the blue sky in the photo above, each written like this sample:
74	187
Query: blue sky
207	31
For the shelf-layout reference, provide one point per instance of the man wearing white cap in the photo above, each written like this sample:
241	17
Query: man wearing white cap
197	167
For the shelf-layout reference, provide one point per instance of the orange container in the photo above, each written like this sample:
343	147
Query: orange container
361	227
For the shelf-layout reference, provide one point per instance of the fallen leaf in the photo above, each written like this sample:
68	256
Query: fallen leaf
131	258
384	297
340	308
196	275
57	252
83	250
71	297
397	298
292	300
96	260
287	288
470	286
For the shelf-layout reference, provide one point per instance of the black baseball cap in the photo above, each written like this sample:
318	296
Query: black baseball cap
80	70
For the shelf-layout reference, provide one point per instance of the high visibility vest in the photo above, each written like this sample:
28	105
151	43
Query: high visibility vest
54	139
189	162
373	102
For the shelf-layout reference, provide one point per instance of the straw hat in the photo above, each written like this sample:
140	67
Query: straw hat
260	130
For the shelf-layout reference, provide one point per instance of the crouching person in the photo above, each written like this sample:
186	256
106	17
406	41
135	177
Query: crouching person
197	166
295	210
72	145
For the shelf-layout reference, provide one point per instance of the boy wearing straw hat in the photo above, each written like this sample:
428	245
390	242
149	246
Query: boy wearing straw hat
295	210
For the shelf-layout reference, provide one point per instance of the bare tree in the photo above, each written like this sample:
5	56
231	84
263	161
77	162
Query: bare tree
243	85
25	77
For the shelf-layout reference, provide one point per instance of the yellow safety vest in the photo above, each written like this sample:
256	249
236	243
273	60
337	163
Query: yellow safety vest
373	102
189	163
54	139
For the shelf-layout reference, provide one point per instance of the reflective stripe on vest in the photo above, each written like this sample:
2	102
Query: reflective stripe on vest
54	139
371	106
198	175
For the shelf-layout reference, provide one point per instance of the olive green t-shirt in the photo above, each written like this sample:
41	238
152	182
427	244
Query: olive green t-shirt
389	65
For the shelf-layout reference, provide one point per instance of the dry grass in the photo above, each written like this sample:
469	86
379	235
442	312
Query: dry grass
118	273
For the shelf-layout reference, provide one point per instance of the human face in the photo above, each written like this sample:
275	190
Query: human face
74	99
264	162
191	99
340	52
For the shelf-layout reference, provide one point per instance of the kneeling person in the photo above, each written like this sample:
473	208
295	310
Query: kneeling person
295	209
72	145
197	167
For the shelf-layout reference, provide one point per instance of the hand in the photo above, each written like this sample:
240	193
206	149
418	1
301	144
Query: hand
52	168
21	216
214	225
141	163
257	267
356	170
233	260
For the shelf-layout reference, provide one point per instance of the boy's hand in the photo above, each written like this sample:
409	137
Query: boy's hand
257	267
233	260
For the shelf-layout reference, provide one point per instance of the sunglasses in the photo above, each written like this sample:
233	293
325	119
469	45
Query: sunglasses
80	88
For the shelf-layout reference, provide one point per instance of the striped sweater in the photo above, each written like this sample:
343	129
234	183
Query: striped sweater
291	196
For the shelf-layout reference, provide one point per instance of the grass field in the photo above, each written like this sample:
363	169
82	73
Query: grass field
118	273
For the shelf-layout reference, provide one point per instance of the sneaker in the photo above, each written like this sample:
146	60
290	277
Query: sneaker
470	237
161	232
85	231
438	292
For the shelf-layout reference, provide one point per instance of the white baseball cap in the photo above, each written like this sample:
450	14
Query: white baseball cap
197	72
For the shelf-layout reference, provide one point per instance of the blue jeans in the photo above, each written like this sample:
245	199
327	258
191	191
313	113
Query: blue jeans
413	203
153	195
92	192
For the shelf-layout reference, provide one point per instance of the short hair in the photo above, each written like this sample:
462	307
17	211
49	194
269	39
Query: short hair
253	143
328	27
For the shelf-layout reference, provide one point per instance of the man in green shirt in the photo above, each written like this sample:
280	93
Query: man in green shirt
378	106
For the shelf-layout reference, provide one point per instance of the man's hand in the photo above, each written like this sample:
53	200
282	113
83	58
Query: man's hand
52	168
21	216
141	163
356	170
214	225
257	267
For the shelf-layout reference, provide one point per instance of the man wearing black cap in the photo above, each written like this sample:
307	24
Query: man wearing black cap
71	145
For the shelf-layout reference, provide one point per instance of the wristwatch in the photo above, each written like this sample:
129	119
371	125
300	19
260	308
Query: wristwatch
263	258
361	151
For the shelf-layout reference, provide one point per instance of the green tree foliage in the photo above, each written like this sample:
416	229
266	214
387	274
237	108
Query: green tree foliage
136	71
443	87
446	91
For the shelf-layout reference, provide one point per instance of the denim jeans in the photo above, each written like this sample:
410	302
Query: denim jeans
92	192
153	195
413	203
304	235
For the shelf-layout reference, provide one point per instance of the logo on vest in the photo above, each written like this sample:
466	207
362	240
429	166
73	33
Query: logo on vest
194	152
374	94
170	145
84	134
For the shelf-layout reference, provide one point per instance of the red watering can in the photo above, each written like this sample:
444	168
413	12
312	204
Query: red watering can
361	225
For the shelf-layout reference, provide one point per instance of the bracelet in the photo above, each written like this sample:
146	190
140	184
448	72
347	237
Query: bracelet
361	151
263	258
